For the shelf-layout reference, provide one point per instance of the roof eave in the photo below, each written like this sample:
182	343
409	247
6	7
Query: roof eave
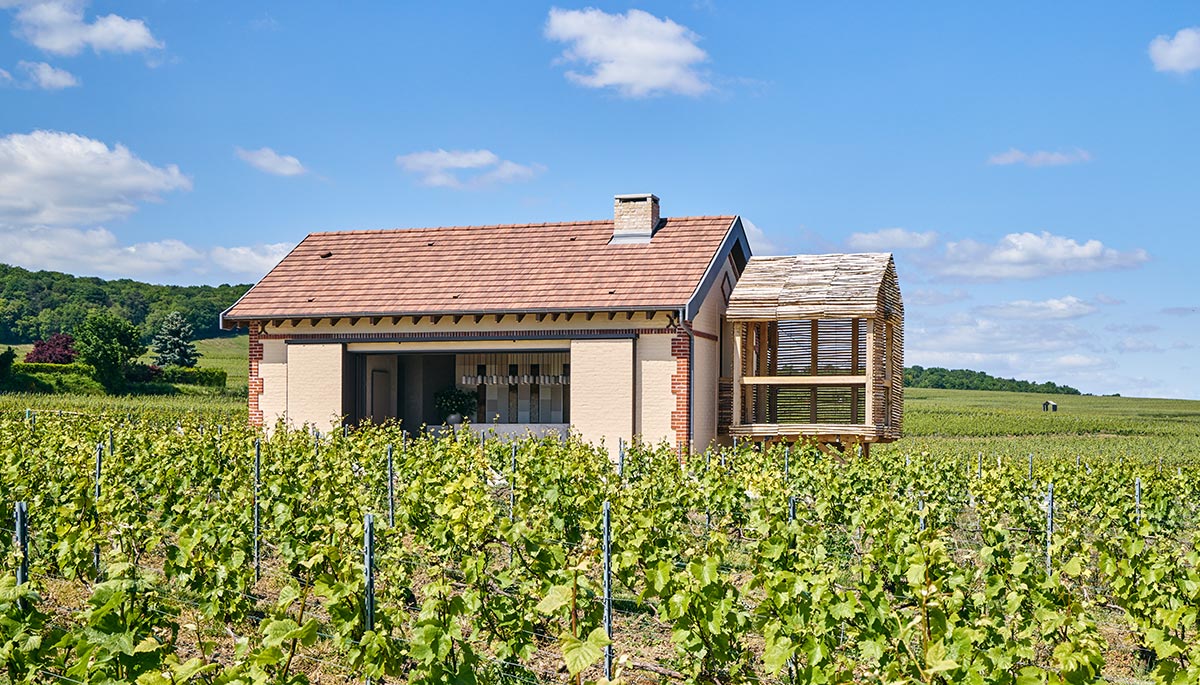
734	235
659	307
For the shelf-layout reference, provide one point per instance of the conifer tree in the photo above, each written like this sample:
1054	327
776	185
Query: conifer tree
173	343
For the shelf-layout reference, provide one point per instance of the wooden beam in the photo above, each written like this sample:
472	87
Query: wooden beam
521	316
375	320
396	320
612	315
478	318
435	319
497	317
629	315
313	322
458	318
590	315
540	317
803	380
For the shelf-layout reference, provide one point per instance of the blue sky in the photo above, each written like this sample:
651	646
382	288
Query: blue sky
1034	167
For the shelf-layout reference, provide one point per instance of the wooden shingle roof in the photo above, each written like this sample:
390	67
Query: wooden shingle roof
486	269
811	286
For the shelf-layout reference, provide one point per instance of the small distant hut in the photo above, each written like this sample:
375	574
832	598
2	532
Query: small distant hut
1049	406
818	350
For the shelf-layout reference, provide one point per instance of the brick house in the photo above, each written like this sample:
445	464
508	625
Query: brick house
614	328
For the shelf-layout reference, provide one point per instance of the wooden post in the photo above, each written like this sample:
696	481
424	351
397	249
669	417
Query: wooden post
736	419
762	392
773	358
854	362
813	371
870	388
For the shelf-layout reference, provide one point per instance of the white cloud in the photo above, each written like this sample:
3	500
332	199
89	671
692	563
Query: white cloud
253	261
92	251
267	160
636	53
1040	158
1133	328
1069	307
1081	361
59	27
1031	255
760	244
47	77
56	178
445	168
1180	54
5	78
99	252
1181	311
888	239
1135	344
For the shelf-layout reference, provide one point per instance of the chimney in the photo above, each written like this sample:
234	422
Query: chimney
635	218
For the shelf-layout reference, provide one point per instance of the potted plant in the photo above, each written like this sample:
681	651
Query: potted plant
453	402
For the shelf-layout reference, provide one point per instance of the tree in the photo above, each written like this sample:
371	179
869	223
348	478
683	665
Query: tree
108	343
57	349
6	362
173	344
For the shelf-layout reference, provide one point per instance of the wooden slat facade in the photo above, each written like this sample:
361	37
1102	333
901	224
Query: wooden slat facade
818	349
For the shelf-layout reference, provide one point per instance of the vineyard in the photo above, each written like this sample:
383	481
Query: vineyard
165	546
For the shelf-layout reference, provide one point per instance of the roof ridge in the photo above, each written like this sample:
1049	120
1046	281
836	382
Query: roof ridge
547	224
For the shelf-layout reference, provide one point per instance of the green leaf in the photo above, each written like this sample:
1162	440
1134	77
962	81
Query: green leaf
556	597
580	654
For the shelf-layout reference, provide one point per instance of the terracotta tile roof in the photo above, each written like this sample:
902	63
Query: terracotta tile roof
486	269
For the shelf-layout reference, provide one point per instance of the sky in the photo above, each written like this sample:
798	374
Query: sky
1034	167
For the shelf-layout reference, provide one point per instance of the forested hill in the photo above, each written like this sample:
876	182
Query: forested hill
964	379
36	304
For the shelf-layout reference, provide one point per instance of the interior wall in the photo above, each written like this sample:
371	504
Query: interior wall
423	376
389	364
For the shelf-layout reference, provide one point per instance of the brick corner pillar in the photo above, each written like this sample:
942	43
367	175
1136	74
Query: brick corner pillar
681	351
254	384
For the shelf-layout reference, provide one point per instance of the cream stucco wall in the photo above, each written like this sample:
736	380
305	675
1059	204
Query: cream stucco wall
314	385
273	370
655	366
619	387
706	362
602	390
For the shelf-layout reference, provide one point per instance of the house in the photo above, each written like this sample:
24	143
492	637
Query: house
616	329
1049	406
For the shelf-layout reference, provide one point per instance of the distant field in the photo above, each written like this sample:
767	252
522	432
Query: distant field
229	354
983	413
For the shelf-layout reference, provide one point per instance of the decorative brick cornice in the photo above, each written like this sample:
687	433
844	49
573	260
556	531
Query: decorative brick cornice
446	336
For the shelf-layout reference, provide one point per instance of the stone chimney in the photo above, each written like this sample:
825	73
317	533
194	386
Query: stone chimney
635	218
